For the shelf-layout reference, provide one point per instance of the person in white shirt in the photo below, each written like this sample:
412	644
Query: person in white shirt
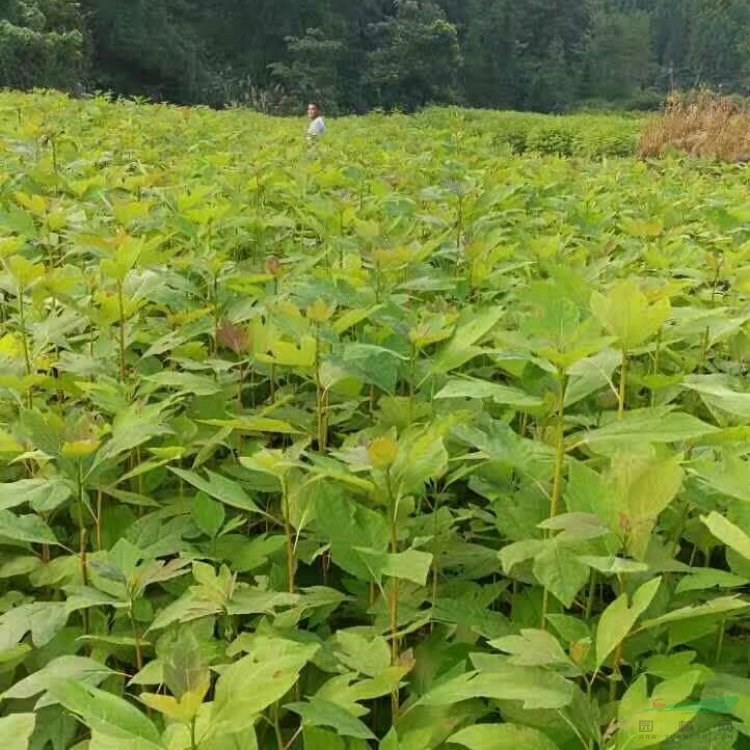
317	125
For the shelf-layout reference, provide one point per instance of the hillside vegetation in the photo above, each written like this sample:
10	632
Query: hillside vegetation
275	55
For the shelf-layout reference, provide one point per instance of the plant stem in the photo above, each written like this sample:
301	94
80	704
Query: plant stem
657	361
623	385
290	561
99	520
720	642
618	654
81	526
412	363
559	465
319	396
193	742
559	449
435	559
215	294
615	672
393	510
240	384
121	307
277	728
240	407
591	597
136	638
294	737
24	339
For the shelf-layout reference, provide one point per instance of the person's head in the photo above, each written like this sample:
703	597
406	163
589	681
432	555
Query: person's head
313	110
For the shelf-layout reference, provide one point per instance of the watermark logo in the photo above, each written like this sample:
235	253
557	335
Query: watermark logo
662	720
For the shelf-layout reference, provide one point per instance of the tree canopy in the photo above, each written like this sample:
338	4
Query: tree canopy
546	55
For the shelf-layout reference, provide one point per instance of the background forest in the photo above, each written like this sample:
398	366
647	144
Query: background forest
545	55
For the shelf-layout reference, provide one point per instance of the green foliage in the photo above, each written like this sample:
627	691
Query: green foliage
418	59
275	55
41	44
312	74
426	449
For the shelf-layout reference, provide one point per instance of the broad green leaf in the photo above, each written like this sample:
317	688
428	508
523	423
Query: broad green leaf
43	619
390	679
151	674
649	491
558	569
390	741
254	424
28	528
370	364
639	426
16	731
729	477
208	514
198	385
106	713
619	618
570	628
101	741
575	526
319	712
708	578
421	457
184	667
728	533
460	349
316	738
535	688
250	601
501	444
288	354
411	565
33	492
715	391
533	648
361	652
183	709
244	740
496	736
613	565
248	686
352	317
626	313
723	606
42	430
590	375
83	597
518	552
346	524
482	389
132	427
67	667
219	487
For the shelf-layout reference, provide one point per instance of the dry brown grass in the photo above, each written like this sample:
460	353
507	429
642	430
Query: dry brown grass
702	125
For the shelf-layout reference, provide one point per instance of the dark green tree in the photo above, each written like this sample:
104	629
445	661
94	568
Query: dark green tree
492	53
418	60
151	48
619	60
312	72
41	44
